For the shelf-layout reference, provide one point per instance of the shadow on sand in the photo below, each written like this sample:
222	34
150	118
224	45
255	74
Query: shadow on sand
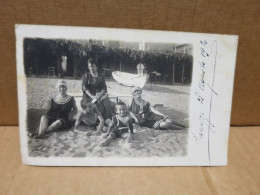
33	119
173	113
157	88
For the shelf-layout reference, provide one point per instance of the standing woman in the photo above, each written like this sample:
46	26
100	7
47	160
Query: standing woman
60	111
94	87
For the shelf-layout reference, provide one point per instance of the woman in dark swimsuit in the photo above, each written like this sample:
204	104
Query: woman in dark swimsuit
60	110
94	86
147	116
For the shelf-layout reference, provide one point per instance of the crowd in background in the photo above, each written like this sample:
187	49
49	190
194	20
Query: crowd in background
40	54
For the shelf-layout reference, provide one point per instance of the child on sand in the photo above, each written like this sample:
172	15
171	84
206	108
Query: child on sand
120	126
90	116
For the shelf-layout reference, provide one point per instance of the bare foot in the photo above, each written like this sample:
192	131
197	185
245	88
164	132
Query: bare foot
42	136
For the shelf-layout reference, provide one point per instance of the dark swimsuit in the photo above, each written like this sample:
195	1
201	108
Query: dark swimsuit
60	111
146	118
118	128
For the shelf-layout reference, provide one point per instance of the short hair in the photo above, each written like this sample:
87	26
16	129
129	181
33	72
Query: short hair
120	103
84	102
92	61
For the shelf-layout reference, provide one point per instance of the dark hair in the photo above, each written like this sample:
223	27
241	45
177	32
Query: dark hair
84	102
120	103
92	61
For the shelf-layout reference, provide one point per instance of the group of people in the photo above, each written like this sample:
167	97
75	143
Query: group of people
96	109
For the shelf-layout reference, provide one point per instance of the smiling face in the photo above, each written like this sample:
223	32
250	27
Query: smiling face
121	110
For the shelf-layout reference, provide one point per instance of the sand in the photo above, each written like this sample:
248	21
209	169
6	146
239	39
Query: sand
147	142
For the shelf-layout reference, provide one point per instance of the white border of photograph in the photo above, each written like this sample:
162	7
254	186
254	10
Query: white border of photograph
214	58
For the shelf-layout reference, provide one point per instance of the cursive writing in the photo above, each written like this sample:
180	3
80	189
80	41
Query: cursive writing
205	91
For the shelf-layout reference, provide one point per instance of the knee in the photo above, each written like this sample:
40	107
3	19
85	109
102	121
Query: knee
58	124
165	125
44	118
55	126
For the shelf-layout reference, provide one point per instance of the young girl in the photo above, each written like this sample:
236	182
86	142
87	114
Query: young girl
90	116
120	126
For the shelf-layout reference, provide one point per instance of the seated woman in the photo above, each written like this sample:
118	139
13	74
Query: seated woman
148	116
60	110
94	87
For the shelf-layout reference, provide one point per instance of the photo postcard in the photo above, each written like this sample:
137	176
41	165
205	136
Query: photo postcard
123	97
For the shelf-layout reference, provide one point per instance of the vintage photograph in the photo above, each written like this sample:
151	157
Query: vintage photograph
123	97
107	98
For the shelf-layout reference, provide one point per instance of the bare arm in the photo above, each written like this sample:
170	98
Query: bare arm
134	117
74	109
90	94
47	105
78	120
130	112
157	112
111	125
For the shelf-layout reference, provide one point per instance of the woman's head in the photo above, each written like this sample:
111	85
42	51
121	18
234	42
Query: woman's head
121	109
136	92
62	86
86	104
92	65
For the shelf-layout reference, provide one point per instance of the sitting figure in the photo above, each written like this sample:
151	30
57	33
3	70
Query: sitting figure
90	116
60	111
120	126
147	116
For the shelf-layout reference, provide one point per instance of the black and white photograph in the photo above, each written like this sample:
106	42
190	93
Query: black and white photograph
85	96
115	98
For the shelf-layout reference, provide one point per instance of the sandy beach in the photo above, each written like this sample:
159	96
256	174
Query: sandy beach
173	100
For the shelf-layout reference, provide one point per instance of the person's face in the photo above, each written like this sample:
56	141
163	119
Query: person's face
121	110
62	89
137	94
92	67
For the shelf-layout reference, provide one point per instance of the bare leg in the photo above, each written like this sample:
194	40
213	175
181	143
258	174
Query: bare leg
43	125
175	123
169	126
107	140
43	128
54	126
